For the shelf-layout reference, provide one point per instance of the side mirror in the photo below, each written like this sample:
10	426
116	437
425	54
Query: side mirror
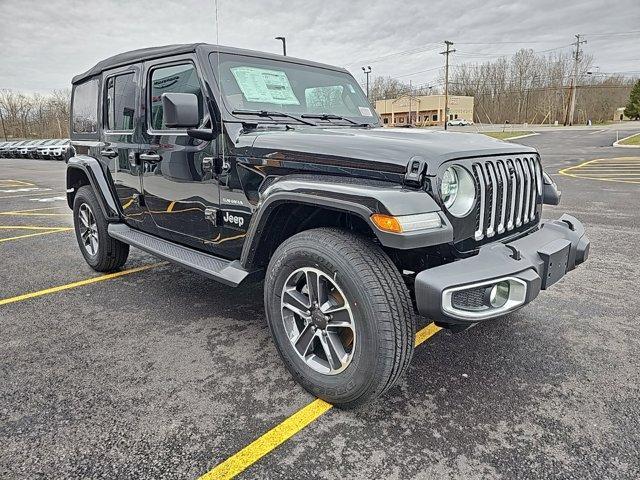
180	110
550	193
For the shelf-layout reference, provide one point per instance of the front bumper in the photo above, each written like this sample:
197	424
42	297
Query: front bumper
461	292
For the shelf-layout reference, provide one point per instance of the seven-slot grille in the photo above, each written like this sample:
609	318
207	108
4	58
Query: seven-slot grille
509	190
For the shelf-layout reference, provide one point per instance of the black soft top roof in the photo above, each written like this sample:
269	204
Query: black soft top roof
168	50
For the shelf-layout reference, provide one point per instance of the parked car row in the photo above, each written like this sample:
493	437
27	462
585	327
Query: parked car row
55	149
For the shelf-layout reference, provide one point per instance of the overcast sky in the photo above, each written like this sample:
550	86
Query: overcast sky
44	43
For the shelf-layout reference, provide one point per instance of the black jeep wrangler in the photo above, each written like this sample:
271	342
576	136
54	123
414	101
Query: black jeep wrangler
242	165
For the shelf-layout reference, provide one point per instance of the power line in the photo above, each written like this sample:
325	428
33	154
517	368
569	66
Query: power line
396	54
611	34
420	71
484	54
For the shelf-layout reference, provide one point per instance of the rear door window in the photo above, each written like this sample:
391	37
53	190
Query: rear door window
120	102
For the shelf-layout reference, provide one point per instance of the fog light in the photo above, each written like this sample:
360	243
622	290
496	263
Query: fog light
498	294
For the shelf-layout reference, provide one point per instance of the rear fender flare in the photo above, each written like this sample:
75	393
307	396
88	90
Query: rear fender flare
101	185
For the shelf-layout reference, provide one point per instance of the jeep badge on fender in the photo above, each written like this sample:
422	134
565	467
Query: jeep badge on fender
355	228
234	220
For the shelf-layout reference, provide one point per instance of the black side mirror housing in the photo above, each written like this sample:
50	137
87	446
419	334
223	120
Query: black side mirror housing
201	134
180	110
550	193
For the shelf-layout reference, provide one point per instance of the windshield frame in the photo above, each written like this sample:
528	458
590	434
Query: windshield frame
227	110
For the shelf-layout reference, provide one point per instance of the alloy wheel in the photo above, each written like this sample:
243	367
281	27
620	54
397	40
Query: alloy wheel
318	320
88	229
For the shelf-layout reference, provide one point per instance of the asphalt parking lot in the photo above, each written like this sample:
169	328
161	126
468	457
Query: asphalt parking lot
157	372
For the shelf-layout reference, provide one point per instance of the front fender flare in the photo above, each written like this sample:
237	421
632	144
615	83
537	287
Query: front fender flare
362	198
99	182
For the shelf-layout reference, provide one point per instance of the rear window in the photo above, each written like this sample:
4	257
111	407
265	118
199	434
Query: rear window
85	107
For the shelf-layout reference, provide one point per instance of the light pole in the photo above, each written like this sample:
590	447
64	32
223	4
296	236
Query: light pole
284	45
367	71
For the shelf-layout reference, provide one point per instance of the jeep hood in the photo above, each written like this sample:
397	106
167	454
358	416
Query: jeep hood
382	149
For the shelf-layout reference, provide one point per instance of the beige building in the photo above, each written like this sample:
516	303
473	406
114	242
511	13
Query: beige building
423	110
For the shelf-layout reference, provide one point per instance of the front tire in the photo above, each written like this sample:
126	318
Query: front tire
340	315
101	252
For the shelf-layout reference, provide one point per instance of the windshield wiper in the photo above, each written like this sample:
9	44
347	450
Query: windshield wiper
267	113
331	116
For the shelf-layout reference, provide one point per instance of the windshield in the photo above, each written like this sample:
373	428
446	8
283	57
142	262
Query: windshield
259	84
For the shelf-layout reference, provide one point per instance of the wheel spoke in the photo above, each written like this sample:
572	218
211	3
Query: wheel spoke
94	244
304	340
84	219
333	350
312	285
296	302
340	318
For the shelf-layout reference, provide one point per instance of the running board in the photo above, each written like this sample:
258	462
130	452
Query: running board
229	272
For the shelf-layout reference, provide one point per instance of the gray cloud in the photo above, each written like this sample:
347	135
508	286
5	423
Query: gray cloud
43	44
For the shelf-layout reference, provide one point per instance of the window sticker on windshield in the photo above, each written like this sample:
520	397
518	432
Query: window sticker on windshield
365	112
351	89
264	86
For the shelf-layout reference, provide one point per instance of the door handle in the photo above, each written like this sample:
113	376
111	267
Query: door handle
109	153
150	157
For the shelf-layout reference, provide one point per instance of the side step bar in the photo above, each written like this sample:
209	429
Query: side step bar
229	272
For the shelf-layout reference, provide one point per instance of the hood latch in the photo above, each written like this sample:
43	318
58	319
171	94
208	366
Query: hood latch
415	171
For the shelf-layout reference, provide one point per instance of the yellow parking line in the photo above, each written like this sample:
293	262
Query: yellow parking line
617	169
50	192
170	207
27	235
267	442
81	283
31	210
16	183
30	214
608	174
35	212
282	432
26	227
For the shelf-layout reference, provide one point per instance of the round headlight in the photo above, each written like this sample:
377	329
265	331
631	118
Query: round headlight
449	187
457	190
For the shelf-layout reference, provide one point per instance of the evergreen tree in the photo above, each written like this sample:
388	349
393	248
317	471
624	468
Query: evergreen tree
633	107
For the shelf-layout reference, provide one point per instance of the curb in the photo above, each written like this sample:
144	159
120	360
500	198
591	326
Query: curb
617	143
522	136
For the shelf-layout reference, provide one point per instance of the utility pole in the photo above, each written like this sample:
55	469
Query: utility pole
284	45
367	71
446	81
574	83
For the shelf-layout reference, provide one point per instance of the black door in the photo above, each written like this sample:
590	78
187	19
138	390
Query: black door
121	138
180	188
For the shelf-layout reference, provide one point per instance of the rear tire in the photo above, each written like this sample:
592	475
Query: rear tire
360	278
101	252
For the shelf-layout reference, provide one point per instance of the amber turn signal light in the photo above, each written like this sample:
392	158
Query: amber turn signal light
386	223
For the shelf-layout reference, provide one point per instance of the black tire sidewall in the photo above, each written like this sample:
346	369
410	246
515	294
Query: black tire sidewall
350	384
86	195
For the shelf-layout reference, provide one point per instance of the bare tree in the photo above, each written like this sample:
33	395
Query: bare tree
534	88
35	116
